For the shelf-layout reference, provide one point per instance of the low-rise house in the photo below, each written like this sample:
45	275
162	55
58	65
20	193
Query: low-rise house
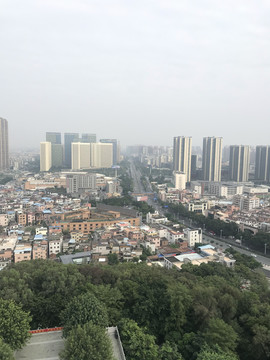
22	252
55	246
193	236
40	250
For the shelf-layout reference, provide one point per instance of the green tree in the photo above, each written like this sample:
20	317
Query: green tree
113	259
5	351
82	309
221	334
137	343
169	351
14	324
215	354
87	342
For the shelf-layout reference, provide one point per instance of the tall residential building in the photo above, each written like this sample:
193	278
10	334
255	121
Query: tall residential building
115	148
239	163
182	155
89	138
262	163
69	138
57	155
45	156
80	156
194	160
212	157
91	155
53	137
101	155
4	147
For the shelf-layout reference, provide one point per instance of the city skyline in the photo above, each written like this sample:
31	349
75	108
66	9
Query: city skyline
145	70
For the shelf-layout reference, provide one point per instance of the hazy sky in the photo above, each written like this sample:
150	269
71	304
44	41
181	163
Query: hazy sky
141	71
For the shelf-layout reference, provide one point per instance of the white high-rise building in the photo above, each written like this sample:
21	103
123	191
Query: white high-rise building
182	155
239	163
101	155
180	180
91	155
211	160
45	156
80	156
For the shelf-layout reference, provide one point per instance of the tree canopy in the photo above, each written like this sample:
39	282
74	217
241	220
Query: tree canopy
161	314
87	342
82	309
14	324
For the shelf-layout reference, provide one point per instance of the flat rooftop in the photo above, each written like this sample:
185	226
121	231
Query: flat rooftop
47	346
42	346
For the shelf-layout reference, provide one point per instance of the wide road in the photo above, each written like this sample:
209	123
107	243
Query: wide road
223	243
136	177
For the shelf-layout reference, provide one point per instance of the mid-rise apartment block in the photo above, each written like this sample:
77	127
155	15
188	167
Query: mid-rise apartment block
79	182
180	180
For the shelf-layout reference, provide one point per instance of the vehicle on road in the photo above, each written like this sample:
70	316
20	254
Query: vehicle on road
254	255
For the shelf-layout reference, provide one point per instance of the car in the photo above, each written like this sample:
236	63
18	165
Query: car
254	255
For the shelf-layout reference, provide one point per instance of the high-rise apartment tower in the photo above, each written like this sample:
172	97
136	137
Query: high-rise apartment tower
115	148
4	148
182	155
239	163
45	156
211	160
262	163
53	137
69	138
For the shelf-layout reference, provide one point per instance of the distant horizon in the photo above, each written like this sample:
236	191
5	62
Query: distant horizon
140	72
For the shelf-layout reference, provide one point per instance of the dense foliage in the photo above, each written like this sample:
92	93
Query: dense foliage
81	310
5	351
87	342
14	324
200	311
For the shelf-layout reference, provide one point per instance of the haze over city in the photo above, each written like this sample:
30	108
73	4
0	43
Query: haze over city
140	72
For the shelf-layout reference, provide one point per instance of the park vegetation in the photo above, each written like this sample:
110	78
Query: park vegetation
199	313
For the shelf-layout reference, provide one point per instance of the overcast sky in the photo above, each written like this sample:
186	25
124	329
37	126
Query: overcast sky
140	71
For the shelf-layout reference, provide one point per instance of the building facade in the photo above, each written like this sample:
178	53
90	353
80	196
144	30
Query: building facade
182	155
115	148
212	157
180	180
239	163
53	137
45	156
69	138
262	163
4	144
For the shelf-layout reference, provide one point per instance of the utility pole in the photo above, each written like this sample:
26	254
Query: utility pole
265	248
221	233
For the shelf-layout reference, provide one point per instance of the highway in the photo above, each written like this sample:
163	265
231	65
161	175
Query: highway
136	177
